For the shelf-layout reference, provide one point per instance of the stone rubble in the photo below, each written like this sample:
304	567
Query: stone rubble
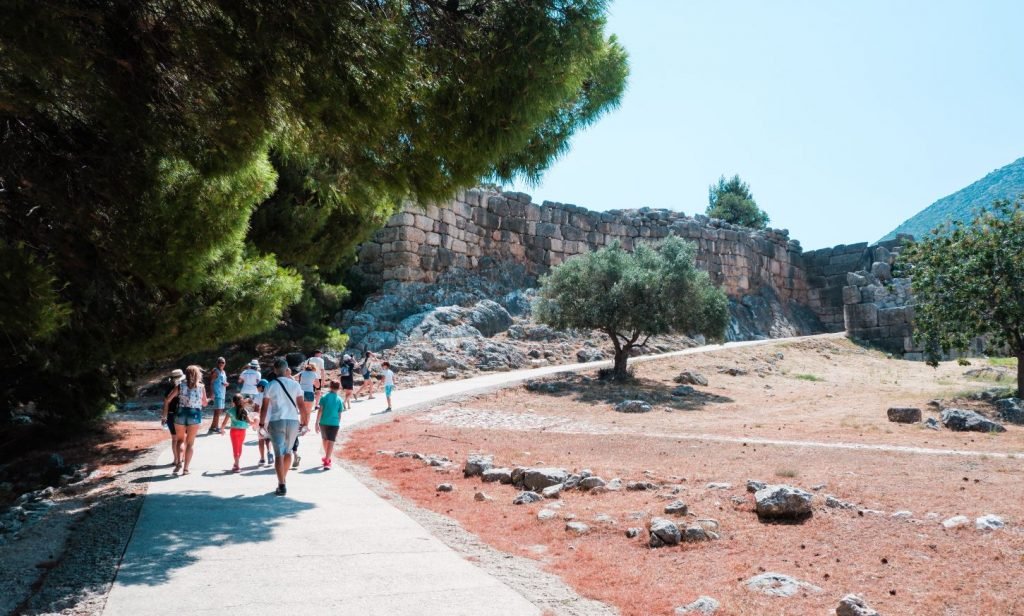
779	585
852	605
703	606
782	502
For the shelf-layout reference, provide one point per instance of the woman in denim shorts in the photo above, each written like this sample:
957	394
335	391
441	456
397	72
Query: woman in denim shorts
192	398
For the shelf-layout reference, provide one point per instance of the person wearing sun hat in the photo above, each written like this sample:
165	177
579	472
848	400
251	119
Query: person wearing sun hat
249	378
177	376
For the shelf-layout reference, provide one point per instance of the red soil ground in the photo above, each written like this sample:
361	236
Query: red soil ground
900	566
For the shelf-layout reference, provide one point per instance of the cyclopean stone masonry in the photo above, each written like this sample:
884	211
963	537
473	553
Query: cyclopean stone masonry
762	272
853	290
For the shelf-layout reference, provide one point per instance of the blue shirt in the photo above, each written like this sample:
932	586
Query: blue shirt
220	383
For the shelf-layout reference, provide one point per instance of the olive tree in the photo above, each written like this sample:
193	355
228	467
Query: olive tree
630	297
968	281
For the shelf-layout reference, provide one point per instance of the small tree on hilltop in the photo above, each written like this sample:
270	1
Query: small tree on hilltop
968	281
631	296
731	201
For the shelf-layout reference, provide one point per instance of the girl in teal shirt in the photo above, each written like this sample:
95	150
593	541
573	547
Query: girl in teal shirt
238	417
328	419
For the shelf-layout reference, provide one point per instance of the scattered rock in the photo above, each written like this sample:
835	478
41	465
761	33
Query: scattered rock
604	518
526	498
754	486
591	482
572	481
676	507
640	486
704	606
779	585
691	378
904	414
719	486
578	528
614	485
963	420
445	487
633	533
932	424
819	487
546	514
903	515
696	534
683	390
540	478
481	497
663	532
500	475
1011	410
589	354
476	465
552	491
956	522
709	525
733	371
633	406
450	373
782	501
989	522
852	605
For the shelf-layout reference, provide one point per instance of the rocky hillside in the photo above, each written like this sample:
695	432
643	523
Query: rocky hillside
1003	183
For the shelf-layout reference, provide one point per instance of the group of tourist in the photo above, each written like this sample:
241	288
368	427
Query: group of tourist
277	408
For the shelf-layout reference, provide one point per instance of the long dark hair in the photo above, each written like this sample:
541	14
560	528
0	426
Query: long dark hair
240	413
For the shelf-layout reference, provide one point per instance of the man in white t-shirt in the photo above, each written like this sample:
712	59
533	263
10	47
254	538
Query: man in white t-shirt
283	409
249	378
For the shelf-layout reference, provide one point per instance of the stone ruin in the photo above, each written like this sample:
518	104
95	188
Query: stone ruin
855	292
485	245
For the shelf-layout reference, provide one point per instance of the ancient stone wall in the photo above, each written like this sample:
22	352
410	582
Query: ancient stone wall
852	290
418	244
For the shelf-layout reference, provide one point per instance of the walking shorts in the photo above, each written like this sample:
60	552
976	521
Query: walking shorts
188	417
283	433
329	433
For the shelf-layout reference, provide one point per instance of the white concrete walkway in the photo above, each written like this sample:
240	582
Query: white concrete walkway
214	541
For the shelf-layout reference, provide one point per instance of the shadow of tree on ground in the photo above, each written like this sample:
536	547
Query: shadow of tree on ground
173	527
590	390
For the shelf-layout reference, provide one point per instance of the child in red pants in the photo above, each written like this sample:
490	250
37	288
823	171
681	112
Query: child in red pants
238	417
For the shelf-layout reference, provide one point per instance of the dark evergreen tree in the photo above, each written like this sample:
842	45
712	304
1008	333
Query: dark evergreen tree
731	201
173	175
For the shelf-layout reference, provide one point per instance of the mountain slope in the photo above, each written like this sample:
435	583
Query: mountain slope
1003	183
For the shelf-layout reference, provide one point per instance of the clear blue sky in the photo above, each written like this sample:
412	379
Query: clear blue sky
846	118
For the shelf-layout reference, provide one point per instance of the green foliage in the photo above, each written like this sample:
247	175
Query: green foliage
814	378
731	201
1005	362
969	282
175	176
631	296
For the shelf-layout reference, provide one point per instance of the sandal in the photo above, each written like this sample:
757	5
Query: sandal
177	467
184	472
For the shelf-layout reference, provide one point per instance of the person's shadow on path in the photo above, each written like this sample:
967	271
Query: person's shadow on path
173	527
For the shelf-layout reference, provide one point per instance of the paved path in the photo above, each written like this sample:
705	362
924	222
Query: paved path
214	541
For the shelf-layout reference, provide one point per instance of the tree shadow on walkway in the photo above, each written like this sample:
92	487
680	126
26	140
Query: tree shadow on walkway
174	527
